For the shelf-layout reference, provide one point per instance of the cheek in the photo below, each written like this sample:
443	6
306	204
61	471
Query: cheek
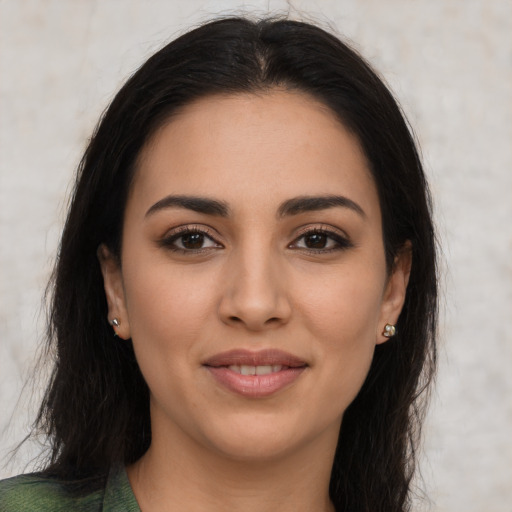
342	313
168	312
168	316
162	300
344	307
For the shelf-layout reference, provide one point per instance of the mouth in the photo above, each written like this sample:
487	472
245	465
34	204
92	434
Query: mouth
255	374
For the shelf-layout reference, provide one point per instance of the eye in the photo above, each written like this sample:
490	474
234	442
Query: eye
321	240
190	240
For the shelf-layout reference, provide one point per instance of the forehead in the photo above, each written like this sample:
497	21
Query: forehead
254	147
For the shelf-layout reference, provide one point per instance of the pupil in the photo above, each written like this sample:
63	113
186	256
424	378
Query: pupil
316	241
193	240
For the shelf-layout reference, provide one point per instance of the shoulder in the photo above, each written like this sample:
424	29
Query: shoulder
27	493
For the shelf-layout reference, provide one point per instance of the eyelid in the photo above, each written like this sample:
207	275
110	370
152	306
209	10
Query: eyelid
322	228
185	228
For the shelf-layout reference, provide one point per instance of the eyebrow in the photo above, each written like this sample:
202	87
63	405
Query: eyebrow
197	204
303	204
290	207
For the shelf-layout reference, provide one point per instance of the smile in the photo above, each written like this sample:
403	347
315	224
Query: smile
255	374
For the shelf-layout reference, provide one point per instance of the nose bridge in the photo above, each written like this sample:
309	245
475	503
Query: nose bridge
254	293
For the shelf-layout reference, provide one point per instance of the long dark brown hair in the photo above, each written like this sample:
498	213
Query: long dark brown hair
96	407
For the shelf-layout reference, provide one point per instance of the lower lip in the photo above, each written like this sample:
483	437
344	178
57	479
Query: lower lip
255	386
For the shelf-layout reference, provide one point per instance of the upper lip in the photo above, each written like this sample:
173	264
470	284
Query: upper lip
265	357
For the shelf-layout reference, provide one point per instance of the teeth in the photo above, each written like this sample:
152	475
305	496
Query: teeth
247	370
255	370
263	370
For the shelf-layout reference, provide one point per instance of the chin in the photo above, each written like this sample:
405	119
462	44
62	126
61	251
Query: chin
255	448
253	439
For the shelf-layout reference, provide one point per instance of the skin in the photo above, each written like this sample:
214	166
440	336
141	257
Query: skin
255	283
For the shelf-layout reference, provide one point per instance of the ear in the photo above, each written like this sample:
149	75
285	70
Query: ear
114	291
395	291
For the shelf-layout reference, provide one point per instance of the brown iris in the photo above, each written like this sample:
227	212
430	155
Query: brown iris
315	241
192	240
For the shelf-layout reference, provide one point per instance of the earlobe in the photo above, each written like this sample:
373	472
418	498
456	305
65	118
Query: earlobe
114	292
395	293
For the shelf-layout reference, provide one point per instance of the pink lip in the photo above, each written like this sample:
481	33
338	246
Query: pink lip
259	358
255	386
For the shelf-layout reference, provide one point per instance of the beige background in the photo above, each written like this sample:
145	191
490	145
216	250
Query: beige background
450	64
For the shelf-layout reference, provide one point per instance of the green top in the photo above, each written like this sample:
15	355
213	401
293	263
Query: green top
36	493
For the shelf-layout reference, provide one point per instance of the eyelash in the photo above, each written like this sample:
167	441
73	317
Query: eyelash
342	242
169	241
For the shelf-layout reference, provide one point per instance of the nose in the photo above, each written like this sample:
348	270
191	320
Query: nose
254	293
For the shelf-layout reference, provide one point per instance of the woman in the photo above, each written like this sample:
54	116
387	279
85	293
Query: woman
244	303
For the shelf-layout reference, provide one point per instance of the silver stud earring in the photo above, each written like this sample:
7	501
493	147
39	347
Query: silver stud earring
115	323
389	330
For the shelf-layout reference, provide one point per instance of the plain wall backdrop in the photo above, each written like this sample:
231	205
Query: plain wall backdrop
449	62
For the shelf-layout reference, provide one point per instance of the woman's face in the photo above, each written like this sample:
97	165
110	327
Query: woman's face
253	280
